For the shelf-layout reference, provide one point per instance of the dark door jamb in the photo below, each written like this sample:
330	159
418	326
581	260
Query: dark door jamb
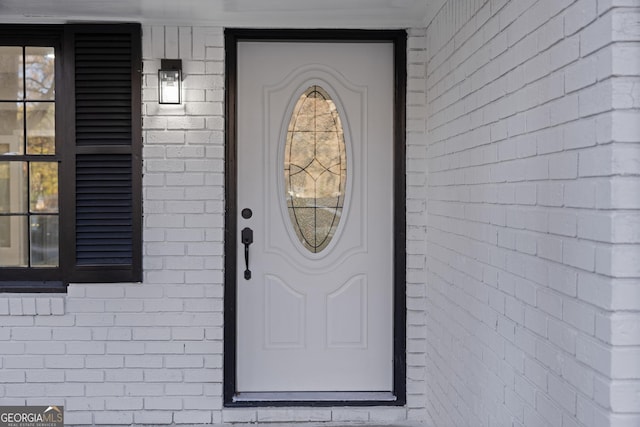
399	40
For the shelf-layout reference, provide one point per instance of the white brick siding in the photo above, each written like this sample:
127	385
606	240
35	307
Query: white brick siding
416	229
532	241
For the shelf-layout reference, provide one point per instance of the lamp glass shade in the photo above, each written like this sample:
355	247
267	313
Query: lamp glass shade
169	86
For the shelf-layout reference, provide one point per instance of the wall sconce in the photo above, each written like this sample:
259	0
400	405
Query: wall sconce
170	81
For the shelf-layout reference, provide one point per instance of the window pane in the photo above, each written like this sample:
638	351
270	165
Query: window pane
13	241
11	83
44	241
11	128
13	187
43	187
5	228
40	73
41	128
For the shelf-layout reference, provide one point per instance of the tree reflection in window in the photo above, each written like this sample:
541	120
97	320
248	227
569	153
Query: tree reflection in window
315	169
29	225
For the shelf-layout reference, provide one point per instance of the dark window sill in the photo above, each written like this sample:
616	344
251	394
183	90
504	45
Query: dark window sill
33	286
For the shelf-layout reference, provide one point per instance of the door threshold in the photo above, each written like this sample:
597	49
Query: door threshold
315	398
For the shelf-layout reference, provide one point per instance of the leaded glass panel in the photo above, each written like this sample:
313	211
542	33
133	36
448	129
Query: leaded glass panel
315	169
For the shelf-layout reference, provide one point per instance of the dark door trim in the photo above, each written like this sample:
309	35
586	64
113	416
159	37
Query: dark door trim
399	40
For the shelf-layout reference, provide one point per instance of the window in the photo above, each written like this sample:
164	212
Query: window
70	155
29	166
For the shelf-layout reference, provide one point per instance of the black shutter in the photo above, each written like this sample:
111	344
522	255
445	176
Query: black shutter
104	210
107	142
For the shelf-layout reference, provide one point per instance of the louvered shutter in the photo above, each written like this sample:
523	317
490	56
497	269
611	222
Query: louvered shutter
107	140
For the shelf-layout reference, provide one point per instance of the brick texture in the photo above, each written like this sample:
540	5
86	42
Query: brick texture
531	108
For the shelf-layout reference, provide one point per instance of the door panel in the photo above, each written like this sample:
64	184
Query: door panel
315	320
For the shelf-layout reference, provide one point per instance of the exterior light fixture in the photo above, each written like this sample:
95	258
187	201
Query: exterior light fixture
170	81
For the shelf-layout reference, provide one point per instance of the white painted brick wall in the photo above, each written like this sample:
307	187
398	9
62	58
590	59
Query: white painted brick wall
532	226
151	353
416	229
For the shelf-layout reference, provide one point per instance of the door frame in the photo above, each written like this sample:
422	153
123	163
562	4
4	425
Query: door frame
399	40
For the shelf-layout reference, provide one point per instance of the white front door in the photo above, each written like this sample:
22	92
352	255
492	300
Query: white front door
315	165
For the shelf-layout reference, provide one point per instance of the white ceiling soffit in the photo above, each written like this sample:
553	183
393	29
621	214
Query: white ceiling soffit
228	13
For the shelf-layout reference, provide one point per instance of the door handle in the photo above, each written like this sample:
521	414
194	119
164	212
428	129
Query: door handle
247	239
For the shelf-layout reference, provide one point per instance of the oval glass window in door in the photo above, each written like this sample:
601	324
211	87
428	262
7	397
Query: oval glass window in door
315	169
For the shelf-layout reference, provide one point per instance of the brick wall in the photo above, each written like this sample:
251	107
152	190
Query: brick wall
533	300
416	224
151	353
147	353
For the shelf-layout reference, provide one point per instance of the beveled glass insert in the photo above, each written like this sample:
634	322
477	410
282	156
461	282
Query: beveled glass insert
315	169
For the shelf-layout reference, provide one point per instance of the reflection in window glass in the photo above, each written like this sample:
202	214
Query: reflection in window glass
40	73
11	87
14	241
11	128
44	241
13	187
5	194
41	127
43	187
315	169
5	228
29	219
